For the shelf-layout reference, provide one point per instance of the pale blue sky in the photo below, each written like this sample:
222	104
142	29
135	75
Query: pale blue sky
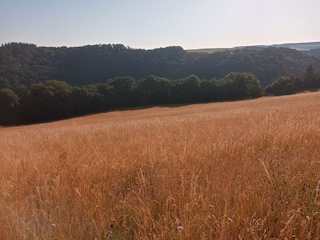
159	23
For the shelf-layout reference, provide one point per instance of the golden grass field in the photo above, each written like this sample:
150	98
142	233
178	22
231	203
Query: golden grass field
232	170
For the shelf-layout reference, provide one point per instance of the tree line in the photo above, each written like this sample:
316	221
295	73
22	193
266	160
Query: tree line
54	99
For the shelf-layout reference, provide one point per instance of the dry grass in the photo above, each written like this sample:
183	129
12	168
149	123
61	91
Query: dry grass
238	170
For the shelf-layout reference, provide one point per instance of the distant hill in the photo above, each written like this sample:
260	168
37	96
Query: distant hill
206	50
305	46
27	64
300	46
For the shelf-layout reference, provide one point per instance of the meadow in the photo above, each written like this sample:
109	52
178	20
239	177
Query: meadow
232	170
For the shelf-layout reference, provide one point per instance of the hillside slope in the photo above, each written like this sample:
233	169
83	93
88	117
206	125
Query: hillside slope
305	46
27	63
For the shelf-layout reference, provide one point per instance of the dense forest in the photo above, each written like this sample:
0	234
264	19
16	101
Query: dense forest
27	64
40	84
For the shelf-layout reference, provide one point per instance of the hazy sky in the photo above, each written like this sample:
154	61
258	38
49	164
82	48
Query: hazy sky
159	23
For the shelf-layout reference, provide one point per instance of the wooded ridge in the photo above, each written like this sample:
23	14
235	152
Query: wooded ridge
27	64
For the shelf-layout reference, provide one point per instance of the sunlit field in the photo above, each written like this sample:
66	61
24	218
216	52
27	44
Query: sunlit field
233	170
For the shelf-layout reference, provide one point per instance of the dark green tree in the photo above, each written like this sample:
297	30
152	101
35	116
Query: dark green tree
241	86
8	106
209	90
106	91
51	100
123	91
284	85
24	108
153	90
87	99
176	91
191	89
310	78
61	101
